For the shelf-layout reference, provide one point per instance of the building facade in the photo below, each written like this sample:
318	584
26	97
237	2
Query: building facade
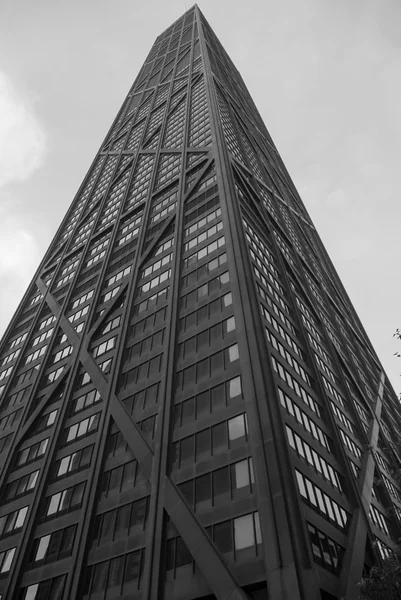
189	404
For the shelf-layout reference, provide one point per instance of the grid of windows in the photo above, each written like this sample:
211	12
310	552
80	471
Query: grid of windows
120	522
306	422
68	499
52	547
379	520
326	552
119	576
321	502
296	387
12	521
6	560
210	441
73	462
313	458
32	452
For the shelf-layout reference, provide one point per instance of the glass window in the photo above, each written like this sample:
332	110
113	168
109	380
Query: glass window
236	428
234	387
31	592
221	482
219	437
42	547
240	472
233	353
203	491
243	532
222	537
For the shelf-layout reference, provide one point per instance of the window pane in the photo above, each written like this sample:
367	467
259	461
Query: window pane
222	536
234	387
203	491
243	532
241	474
219	437
31	592
221	483
116	571
236	427
9	555
53	505
42	547
183	556
202	443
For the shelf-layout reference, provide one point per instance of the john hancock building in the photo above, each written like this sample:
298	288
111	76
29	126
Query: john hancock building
190	406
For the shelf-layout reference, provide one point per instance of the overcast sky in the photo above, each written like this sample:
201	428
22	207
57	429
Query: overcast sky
325	76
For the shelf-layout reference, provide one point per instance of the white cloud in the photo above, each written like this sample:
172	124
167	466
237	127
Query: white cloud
22	139
19	256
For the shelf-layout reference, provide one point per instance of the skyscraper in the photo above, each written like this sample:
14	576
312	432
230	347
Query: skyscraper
189	404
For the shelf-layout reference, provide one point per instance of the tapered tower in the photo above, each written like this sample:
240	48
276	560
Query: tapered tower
189	404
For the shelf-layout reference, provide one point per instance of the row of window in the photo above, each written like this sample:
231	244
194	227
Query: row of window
207	367
12	521
68	499
121	478
51	589
156	265
52	547
119	522
379	520
352	447
341	417
120	575
152	301
6	560
194	258
35	355
207	402
210	441
22	485
78	301
22	338
41	338
313	458
110	294
206	338
202	222
147	369
326	552
62	354
155	282
296	387
146	345
333	391
219	486
10	420
288	358
203	271
45	421
303	419
10	357
73	462
80	313
118	276
271	290
321	502
202	237
104	347
236	535
32	452
279	313
82	428
86	400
